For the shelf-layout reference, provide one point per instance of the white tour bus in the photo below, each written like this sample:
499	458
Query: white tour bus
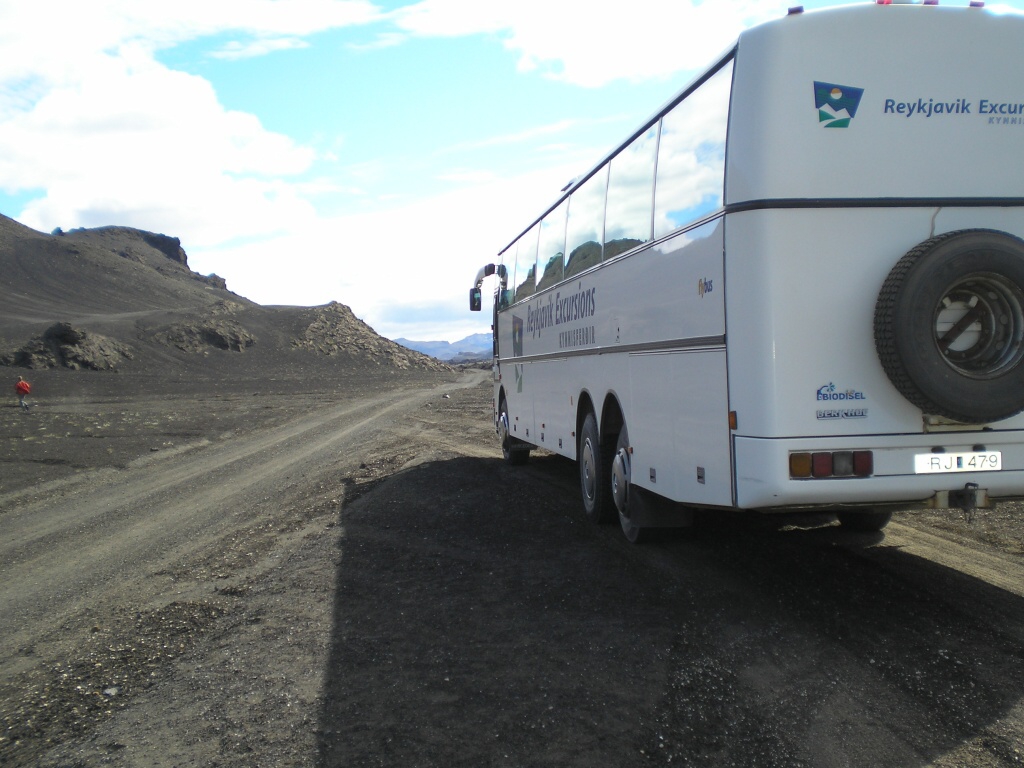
798	286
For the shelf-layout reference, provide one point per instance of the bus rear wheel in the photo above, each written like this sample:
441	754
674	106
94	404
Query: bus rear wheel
620	480
594	465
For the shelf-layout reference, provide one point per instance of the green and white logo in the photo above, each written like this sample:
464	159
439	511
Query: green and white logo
837	104
517	349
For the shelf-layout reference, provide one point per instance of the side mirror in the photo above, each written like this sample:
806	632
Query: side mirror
475	300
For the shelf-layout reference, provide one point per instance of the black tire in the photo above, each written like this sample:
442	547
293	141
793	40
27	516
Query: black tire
595	478
634	533
949	326
864	521
513	451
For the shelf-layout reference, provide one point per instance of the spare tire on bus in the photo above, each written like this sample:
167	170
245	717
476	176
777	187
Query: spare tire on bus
949	326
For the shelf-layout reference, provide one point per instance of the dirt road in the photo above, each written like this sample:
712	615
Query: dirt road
361	581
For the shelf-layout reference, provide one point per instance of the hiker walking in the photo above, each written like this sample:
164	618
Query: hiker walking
23	388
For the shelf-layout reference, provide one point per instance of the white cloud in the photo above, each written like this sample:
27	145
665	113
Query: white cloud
104	24
261	46
576	41
133	139
114	137
455	18
562	126
381	41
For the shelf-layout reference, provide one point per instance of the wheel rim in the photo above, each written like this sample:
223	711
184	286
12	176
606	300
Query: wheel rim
587	471
506	448
978	326
620	481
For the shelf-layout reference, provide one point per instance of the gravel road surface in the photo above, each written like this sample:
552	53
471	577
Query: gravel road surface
351	576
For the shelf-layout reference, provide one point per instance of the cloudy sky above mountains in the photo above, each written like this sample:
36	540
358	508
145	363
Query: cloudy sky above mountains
373	153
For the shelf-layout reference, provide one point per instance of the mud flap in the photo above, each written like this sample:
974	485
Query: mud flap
648	510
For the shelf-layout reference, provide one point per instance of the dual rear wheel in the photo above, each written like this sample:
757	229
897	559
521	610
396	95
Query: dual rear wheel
605	479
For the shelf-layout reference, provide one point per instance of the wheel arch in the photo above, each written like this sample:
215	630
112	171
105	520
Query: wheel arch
612	418
609	419
584	405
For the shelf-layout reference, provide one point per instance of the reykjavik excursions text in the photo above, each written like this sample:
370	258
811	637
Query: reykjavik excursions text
929	107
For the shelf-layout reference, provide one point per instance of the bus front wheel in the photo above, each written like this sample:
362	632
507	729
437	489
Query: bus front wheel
594	466
513	451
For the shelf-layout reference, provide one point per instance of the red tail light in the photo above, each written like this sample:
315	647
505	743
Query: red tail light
863	463
822	464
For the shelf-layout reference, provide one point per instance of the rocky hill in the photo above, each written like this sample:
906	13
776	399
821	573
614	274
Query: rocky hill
120	299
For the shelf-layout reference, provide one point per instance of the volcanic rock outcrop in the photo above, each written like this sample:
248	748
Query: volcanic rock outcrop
63	345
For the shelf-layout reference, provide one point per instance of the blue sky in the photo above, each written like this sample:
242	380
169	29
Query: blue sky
375	154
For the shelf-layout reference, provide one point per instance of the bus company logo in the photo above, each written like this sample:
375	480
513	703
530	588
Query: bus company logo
517	335
836	104
830	393
704	285
517	349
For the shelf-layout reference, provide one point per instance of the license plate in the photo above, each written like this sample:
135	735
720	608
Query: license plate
936	463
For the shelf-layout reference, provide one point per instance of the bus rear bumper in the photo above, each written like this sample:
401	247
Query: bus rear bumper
763	477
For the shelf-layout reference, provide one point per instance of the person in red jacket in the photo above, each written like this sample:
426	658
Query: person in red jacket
23	388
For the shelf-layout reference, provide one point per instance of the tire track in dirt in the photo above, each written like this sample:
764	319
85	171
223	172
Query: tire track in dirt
108	532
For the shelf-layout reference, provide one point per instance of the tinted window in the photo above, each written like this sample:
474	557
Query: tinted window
526	265
691	155
585	230
630	195
552	247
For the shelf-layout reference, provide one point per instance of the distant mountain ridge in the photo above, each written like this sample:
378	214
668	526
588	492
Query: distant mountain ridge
475	347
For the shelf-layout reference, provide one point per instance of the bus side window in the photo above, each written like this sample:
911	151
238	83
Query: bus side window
552	247
585	230
627	221
526	265
691	155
